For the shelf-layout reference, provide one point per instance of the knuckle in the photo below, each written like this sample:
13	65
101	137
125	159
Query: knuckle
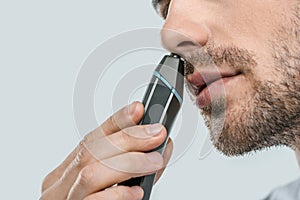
88	138
46	195
43	198
82	158
114	122
45	182
85	177
108	126
125	137
122	193
134	117
48	181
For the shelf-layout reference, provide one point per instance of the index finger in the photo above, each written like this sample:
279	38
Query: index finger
128	116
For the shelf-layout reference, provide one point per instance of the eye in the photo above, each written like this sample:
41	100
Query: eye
162	7
165	10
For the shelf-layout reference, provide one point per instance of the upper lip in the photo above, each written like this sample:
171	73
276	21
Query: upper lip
200	79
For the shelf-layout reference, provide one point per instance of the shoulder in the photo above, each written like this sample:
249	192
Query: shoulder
290	191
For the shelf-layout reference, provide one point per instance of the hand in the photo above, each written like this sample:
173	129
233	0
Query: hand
112	153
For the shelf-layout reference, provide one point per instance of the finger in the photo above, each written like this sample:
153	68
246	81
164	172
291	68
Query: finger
114	170
97	140
126	117
166	156
131	139
128	140
137	138
57	173
118	193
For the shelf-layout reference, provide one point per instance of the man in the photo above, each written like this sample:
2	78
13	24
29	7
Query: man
243	70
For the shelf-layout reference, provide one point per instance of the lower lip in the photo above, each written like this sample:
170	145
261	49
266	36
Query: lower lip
212	91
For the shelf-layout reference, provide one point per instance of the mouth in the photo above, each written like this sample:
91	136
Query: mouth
207	85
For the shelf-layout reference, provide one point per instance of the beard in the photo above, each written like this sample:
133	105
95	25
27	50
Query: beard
271	114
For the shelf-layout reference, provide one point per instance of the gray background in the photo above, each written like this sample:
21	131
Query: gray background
42	46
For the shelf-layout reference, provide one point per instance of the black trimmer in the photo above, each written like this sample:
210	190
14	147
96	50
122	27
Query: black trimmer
162	102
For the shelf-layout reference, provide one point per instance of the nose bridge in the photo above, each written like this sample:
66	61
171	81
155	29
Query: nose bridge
184	27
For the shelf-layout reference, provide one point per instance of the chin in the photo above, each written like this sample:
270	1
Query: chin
235	143
234	131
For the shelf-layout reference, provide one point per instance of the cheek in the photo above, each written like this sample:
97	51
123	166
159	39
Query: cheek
260	18
266	69
239	92
275	70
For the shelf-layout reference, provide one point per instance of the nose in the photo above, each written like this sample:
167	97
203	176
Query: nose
184	30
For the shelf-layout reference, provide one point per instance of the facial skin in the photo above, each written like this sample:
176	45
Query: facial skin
257	41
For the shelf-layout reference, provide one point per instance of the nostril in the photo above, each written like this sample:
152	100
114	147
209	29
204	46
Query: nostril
186	43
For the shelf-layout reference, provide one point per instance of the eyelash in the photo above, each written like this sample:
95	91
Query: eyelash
165	10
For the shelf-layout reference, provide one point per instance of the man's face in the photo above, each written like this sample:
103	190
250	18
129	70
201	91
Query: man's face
248	53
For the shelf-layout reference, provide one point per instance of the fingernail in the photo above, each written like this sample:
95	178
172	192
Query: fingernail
138	190
154	129
154	157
